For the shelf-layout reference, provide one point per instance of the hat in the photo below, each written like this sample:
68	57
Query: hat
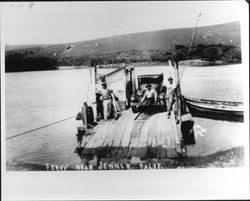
97	91
170	78
148	85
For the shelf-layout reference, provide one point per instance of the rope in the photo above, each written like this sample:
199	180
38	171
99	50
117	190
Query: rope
26	132
190	44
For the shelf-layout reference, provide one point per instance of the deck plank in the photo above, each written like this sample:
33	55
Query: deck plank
119	129
156	123
149	140
111	131
91	141
160	137
142	143
148	136
165	136
105	135
99	136
135	137
127	134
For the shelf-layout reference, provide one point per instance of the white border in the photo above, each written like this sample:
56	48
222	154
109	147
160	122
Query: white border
224	183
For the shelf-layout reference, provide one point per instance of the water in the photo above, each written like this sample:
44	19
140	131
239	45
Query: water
34	99
218	83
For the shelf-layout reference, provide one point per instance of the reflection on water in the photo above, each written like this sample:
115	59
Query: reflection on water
220	135
34	99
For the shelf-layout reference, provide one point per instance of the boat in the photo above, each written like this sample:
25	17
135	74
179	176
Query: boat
215	109
132	134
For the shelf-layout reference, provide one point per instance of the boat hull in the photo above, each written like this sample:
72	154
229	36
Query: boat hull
199	109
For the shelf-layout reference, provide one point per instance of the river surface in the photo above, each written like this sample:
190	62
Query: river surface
35	99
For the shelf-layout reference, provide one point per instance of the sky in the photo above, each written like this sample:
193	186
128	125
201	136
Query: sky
62	22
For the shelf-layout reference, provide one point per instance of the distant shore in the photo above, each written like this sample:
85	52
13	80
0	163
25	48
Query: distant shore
191	63
72	67
202	63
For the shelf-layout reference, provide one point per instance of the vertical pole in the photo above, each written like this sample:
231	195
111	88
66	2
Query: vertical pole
93	83
84	115
133	81
131	86
178	93
90	72
179	112
95	71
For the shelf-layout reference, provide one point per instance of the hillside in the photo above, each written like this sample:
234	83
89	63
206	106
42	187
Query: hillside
130	47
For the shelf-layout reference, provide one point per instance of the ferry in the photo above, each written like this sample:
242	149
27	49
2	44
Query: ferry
133	132
136	133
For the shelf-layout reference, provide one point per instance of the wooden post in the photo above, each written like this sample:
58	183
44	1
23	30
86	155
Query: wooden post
84	115
179	112
95	71
132	73
176	134
131	90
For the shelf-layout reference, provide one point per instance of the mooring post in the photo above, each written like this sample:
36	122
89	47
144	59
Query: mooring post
84	116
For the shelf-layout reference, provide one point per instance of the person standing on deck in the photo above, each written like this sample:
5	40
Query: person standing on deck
99	104
149	98
106	100
114	99
170	95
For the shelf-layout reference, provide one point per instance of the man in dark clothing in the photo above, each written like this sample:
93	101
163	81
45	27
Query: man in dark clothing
99	105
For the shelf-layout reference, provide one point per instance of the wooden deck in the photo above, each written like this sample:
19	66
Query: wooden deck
149	136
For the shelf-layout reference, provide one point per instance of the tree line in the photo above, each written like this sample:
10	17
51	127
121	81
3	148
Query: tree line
18	61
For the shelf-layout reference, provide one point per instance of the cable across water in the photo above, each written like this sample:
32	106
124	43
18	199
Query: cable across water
51	124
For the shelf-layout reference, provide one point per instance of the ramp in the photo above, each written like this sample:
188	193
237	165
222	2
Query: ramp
153	136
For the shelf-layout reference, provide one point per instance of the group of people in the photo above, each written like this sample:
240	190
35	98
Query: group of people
107	106
106	103
150	96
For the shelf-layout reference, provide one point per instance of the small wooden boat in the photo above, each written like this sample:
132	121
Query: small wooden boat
215	109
